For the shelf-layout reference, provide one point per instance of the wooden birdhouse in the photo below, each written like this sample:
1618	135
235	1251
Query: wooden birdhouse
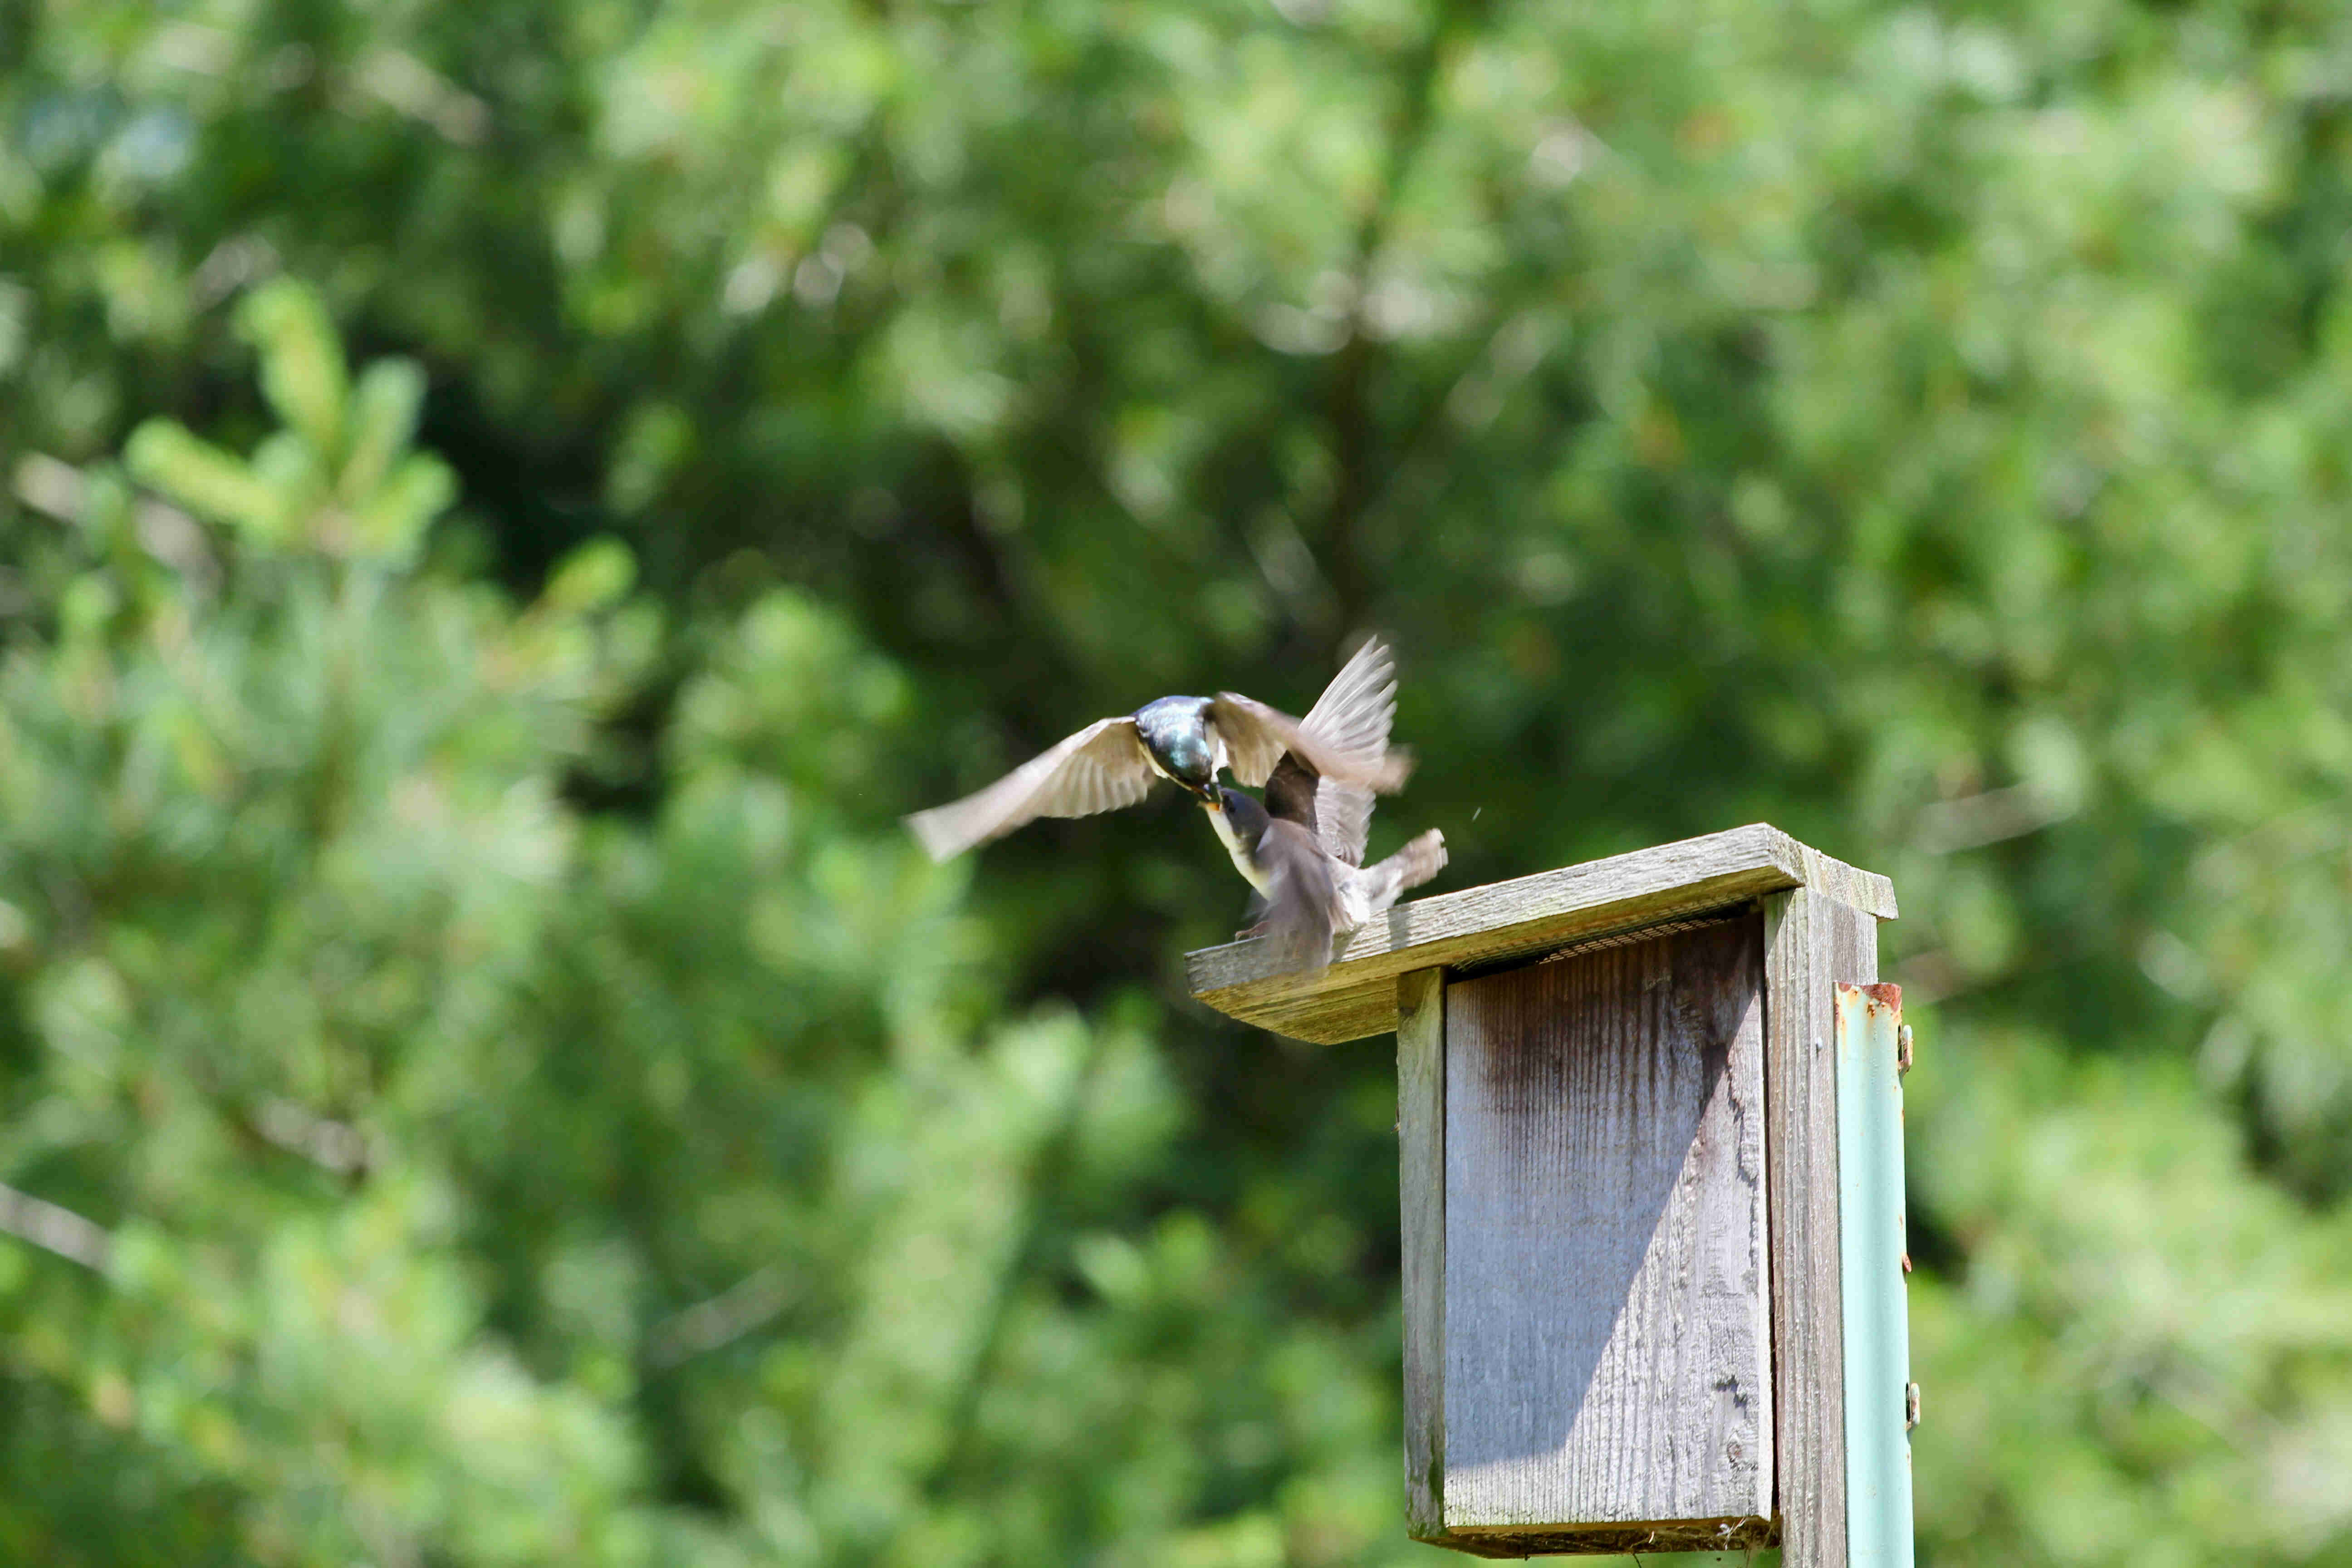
1652	1174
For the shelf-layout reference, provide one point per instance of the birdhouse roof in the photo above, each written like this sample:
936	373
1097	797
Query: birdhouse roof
1514	921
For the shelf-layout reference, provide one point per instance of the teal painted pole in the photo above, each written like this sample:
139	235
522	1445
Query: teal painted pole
1872	1247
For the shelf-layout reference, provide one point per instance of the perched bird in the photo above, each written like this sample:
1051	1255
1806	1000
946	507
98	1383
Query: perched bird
1112	761
1307	867
1302	849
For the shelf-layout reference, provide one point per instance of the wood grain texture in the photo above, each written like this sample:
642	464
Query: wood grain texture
1812	941
1356	996
1421	1190
1607	1346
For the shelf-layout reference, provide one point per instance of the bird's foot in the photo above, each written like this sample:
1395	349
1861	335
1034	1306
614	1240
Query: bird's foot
1256	930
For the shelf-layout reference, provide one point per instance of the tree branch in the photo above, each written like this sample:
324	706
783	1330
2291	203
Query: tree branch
55	1229
721	1320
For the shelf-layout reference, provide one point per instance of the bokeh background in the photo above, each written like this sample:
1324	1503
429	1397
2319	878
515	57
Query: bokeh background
506	502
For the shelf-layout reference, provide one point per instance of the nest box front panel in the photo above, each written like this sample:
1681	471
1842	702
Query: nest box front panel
1606	1340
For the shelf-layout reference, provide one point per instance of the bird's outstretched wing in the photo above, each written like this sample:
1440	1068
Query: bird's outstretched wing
1101	768
1343	819
1339	815
1353	714
1345	736
1356	710
1291	793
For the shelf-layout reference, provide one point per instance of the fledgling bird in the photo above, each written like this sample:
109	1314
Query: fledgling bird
1302	849
1310	879
1188	740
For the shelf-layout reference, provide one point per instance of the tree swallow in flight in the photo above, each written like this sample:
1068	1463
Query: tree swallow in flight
1112	761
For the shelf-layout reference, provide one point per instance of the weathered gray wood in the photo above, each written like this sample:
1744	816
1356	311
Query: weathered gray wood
1605	1316
1636	1428
1812	941
1356	996
1421	1188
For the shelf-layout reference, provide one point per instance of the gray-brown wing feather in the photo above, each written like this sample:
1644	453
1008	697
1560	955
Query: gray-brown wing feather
1354	714
1339	816
1343	818
1256	736
1292	791
1302	896
1356	710
1101	768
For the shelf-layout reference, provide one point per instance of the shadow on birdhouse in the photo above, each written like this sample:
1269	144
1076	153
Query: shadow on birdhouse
1651	1174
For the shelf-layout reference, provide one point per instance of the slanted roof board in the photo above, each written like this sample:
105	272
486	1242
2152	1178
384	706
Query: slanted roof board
1526	916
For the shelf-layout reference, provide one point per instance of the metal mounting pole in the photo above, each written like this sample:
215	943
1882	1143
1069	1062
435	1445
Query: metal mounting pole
1881	1402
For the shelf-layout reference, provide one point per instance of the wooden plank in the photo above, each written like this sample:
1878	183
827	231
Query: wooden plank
1871	1252
1421	1187
1812	943
1865	892
1605	1314
1356	995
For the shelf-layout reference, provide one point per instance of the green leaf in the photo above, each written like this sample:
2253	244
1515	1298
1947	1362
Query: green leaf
598	575
389	528
302	368
383	419
200	476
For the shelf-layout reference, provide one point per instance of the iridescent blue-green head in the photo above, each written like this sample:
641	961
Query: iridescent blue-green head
1175	730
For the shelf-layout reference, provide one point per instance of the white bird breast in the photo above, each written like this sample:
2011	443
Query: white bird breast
1237	849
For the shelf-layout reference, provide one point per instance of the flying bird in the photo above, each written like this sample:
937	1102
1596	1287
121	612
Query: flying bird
1302	849
1187	740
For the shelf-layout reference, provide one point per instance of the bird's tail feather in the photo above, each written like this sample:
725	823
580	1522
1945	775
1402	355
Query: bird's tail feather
1406	869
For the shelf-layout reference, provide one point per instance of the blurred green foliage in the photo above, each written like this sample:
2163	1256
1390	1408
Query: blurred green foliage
505	504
